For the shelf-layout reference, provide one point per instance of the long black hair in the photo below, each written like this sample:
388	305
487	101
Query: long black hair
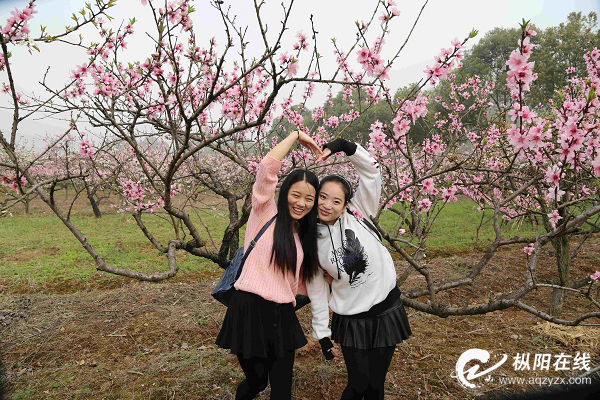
284	248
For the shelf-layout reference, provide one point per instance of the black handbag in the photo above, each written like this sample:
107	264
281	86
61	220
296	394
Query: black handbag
224	289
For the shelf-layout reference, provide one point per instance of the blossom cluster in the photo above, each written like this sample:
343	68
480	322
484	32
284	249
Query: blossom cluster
85	148
445	61
13	182
16	26
371	61
520	74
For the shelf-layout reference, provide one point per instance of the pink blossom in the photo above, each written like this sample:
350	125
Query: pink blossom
565	150
516	60
332	122
358	214
585	190
318	114
364	54
472	136
529	249
85	148
424	205
252	167
536	136
292	68
376	126
554	218
519	141
595	276
428	185
449	194
377	138
553	175
527	114
401	126
456	44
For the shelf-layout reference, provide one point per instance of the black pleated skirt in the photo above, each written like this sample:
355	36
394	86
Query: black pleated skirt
255	327
388	328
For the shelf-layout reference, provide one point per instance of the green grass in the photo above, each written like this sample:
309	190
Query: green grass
457	225
40	248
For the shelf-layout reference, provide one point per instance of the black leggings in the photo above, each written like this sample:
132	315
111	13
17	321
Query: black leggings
366	372
259	371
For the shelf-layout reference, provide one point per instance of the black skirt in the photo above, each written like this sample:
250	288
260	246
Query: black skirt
388	328
255	327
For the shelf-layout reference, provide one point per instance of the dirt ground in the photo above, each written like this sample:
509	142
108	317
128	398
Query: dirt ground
114	338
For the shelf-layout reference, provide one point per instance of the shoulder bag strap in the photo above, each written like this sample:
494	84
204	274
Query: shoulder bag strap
258	235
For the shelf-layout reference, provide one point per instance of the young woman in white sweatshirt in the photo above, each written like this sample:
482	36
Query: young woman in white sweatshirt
368	316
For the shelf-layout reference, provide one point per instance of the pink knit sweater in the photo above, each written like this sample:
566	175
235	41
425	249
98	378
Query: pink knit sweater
259	275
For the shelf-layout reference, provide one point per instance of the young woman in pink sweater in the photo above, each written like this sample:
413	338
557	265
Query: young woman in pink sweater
260	325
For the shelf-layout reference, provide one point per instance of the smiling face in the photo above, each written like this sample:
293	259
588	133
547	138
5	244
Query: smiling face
332	202
301	199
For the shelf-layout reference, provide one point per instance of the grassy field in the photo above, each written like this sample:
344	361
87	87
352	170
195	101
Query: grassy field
39	248
42	248
70	332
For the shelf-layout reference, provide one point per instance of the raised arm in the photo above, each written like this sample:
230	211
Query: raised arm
263	190
369	182
367	196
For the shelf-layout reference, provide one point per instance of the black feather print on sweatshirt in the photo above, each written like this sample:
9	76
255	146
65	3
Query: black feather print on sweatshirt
354	259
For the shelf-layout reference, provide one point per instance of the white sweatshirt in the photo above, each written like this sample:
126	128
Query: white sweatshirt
363	270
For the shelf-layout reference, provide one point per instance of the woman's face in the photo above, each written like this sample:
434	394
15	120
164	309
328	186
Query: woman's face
332	202
301	199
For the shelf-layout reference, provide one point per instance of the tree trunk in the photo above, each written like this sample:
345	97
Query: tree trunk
90	196
97	212
563	262
235	243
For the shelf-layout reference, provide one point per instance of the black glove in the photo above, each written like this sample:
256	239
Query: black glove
340	144
326	345
301	301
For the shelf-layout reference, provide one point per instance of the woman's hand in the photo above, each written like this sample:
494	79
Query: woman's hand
336	354
324	155
328	349
306	141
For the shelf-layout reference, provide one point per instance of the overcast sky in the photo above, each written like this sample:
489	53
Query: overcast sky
441	21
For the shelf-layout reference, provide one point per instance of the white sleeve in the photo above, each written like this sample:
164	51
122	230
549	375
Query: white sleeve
318	292
367	196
